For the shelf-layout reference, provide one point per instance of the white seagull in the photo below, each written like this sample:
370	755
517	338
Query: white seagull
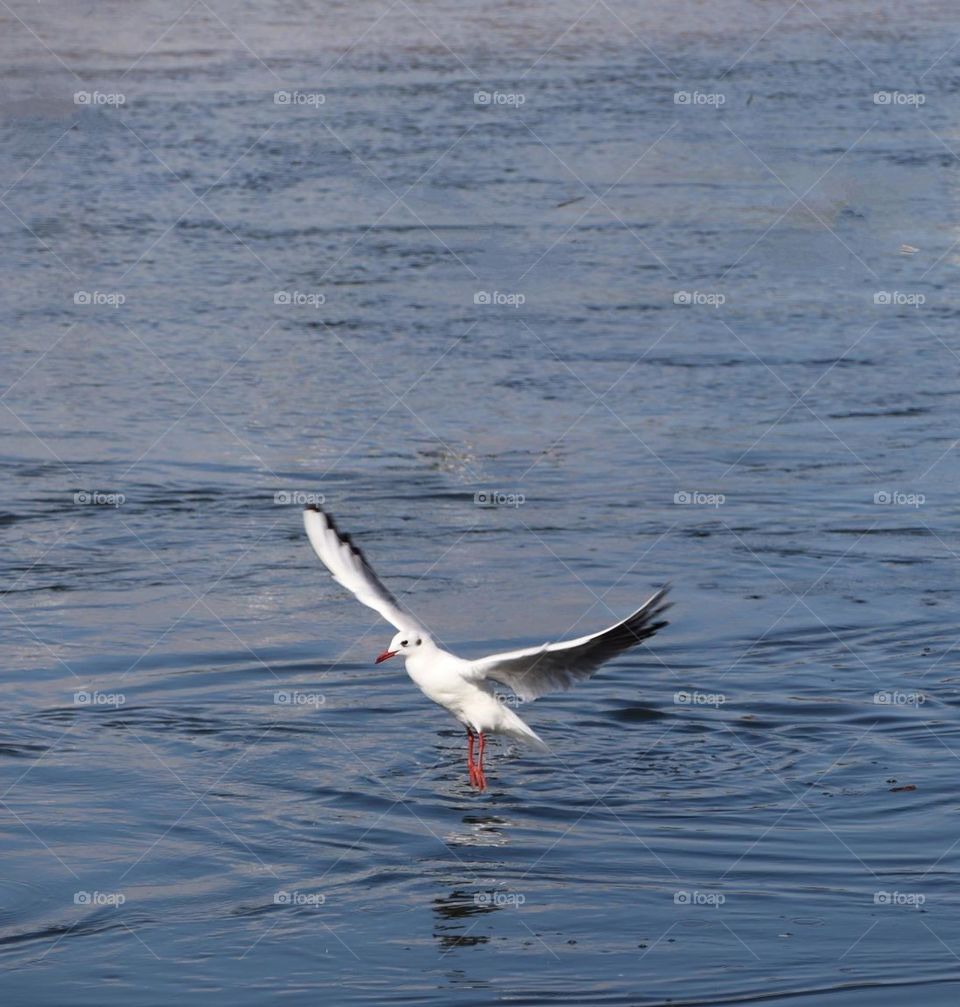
465	688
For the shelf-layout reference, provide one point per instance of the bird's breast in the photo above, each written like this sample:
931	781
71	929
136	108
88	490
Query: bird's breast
442	684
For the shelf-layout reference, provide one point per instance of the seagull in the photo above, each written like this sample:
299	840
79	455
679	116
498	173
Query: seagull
466	688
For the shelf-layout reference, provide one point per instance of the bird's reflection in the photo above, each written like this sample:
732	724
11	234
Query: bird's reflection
458	915
481	830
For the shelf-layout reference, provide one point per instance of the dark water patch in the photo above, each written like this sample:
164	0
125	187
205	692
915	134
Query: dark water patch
23	750
871	414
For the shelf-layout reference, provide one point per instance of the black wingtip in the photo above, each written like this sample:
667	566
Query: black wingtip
656	601
345	538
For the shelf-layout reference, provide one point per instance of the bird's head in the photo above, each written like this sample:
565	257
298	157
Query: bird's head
405	644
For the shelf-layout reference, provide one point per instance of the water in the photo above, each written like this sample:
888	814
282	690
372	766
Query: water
790	833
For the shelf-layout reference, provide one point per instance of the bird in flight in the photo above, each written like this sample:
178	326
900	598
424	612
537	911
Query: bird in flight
467	688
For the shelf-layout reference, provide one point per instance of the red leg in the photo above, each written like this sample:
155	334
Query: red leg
470	766
481	779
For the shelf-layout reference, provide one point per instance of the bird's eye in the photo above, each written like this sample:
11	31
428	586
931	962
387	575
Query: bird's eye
403	643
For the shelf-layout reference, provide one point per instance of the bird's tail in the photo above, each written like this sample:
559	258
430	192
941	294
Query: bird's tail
514	727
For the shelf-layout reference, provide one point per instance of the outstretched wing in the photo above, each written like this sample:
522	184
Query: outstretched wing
351	570
535	671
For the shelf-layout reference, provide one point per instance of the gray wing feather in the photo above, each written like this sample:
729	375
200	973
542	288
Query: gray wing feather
551	667
350	568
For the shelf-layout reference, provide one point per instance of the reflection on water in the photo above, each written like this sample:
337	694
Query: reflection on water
455	915
481	830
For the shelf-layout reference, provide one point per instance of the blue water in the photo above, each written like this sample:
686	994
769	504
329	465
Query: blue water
675	284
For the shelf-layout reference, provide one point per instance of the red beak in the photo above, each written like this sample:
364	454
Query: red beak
385	656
